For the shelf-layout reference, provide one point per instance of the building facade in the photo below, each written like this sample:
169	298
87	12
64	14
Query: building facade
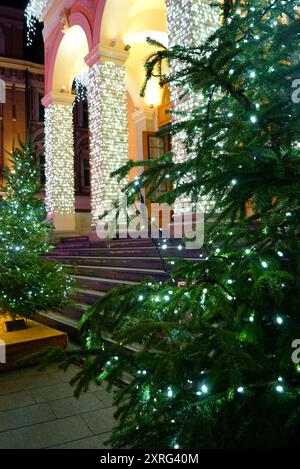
102	43
22	89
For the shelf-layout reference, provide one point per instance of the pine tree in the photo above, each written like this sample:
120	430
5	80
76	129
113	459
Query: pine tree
28	282
213	366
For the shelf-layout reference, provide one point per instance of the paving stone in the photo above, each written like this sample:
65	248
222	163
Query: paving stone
35	415
9	375
106	397
72	406
60	376
101	421
53	392
45	435
15	400
94	442
21	383
25	416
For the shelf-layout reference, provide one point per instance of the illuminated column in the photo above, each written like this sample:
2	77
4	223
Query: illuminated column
59	153
108	125
190	23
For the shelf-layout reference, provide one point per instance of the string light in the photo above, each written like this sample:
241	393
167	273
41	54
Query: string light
81	84
189	25
59	146
34	13
204	389
108	133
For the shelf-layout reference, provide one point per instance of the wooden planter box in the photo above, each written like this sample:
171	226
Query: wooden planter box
35	338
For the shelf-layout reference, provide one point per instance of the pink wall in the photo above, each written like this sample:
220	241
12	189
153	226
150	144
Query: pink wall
85	13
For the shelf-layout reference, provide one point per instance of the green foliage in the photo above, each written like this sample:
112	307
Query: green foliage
28	283
209	363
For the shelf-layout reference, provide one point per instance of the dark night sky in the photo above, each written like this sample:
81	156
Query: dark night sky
35	53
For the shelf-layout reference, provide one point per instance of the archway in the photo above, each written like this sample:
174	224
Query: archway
67	61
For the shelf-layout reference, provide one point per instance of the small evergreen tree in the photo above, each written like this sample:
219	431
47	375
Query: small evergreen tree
28	283
214	366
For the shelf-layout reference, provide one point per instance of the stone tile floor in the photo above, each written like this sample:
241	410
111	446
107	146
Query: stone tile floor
38	410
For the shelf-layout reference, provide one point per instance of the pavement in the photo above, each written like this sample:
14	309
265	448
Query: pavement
38	410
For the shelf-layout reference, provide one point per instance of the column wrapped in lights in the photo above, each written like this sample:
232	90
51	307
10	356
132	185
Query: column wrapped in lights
190	23
59	146
108	132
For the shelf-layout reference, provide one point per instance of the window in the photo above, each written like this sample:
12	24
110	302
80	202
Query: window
41	115
42	170
154	147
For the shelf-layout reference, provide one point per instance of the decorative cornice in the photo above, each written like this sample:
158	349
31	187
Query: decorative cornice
143	115
17	64
102	54
64	99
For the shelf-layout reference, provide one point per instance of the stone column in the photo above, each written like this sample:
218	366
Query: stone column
108	125
190	23
59	153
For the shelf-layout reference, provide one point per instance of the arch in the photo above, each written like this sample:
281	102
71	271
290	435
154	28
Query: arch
69	61
78	19
100	6
128	23
68	50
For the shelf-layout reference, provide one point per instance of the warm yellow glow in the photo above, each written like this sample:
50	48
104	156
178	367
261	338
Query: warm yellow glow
139	6
70	58
153	93
141	37
130	22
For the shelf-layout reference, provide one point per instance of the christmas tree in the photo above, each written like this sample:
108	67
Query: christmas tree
214	365
28	283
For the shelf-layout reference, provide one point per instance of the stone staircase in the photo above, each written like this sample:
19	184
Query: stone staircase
99	266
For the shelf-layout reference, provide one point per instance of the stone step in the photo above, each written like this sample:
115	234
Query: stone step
99	284
74	239
60	322
86	296
143	263
99	266
129	252
123	243
121	273
74	312
101	252
67	246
